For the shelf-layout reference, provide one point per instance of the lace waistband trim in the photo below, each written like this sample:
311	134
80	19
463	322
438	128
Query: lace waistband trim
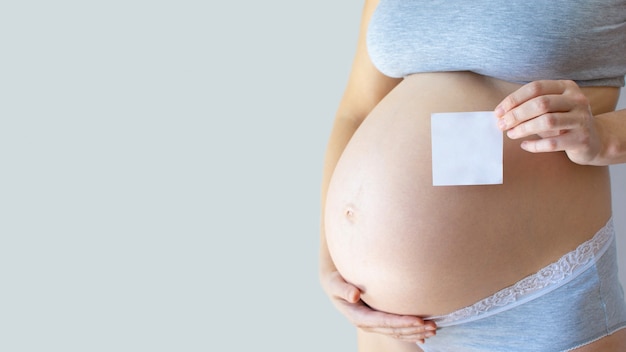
549	278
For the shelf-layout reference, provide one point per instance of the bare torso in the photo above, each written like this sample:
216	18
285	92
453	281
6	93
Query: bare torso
418	249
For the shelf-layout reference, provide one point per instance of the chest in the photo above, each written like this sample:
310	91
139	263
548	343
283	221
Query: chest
543	36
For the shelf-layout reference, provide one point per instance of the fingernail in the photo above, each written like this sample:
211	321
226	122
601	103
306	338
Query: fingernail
431	328
511	134
524	145
499	111
430	334
501	124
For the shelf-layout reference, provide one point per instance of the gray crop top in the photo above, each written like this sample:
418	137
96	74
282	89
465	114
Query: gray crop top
515	40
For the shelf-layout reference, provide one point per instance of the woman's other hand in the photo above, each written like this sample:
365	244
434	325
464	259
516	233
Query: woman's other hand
347	299
556	111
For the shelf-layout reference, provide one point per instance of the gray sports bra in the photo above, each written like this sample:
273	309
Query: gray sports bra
516	40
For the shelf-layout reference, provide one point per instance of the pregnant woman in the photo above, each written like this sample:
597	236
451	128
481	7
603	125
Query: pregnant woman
527	265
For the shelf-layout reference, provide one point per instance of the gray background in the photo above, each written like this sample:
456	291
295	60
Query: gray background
159	174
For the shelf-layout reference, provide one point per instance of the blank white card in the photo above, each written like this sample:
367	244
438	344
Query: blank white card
466	148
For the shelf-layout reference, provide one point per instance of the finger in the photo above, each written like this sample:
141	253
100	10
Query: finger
541	145
342	289
402	331
421	338
391	324
405	335
563	142
529	91
580	147
430	325
368	318
546	124
534	108
406	328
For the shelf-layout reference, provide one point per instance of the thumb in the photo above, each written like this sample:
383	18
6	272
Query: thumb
345	290
352	294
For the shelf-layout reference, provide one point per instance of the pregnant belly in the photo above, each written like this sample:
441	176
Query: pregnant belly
414	248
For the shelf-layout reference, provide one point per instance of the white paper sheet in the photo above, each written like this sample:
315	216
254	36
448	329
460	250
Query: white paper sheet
467	149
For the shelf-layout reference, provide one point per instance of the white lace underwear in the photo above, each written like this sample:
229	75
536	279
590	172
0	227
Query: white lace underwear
549	278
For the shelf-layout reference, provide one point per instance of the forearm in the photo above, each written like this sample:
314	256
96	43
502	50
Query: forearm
612	128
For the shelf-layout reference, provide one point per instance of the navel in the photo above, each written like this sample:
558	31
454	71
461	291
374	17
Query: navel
349	213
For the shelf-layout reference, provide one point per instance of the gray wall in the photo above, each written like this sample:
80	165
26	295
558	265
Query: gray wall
159	172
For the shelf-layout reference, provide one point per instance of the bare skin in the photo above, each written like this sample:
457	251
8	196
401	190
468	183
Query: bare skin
366	87
385	274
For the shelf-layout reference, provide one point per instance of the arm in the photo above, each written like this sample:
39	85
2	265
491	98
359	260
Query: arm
366	87
559	113
612	127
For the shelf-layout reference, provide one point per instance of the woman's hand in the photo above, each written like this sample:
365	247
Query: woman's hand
556	111
347	299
